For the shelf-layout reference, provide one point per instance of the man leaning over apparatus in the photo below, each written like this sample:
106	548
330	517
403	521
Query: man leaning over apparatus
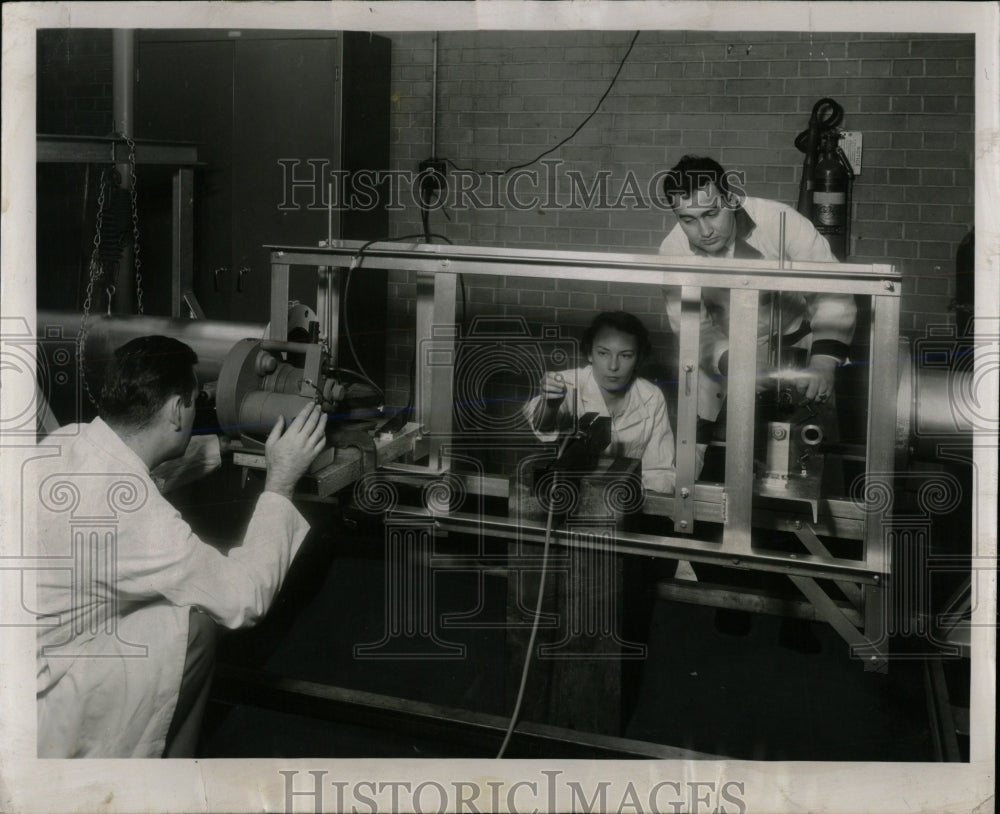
126	631
716	219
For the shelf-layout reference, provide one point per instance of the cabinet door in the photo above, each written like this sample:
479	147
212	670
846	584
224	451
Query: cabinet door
184	93
286	128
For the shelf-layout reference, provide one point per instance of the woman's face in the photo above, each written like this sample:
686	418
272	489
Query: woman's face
614	356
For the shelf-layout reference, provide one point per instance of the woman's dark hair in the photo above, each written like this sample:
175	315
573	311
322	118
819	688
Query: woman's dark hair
143	374
621	321
691	173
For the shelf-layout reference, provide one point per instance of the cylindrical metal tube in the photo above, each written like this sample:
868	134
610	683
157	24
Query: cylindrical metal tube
210	339
932	407
259	410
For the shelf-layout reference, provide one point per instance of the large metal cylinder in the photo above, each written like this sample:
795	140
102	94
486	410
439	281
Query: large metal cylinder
210	339
935	407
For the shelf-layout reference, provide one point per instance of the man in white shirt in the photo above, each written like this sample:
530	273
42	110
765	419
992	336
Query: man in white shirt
126	628
715	218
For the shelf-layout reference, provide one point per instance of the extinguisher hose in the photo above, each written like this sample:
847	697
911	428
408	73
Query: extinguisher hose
819	124
826	115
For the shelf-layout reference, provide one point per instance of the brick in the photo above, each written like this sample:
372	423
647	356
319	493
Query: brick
582	302
754	68
754	104
813	89
725	68
814	67
755	87
959	48
873	104
908	67
938	158
902	212
879	229
782	104
902	140
943	230
884	158
901	248
935	286
866	67
907	104
783	68
951	124
723	103
890	122
940	104
870	212
887	49
809	50
931	250
946	86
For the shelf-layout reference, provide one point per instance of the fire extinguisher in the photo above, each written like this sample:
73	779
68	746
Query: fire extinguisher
825	188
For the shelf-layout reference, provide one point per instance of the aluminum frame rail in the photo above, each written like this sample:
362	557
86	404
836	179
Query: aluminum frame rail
865	518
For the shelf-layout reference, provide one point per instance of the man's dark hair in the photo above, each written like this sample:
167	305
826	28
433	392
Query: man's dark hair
691	173
621	321
143	374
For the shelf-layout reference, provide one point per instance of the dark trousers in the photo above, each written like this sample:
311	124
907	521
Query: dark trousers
199	664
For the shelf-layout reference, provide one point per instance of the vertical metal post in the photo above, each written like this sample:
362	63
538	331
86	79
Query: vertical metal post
279	299
689	373
740	408
423	404
883	374
123	112
328	307
182	240
442	378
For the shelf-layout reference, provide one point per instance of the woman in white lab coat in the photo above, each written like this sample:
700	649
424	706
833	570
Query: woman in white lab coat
616	343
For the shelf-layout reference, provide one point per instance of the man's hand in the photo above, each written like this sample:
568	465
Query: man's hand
815	383
290	452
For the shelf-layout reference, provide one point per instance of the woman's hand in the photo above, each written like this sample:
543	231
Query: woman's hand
553	387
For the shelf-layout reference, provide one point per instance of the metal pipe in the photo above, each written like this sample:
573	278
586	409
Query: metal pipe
210	339
434	86
123	112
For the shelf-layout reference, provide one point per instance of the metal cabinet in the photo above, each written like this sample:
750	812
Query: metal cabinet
277	117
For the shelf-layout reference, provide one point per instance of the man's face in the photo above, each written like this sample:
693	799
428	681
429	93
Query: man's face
183	435
707	218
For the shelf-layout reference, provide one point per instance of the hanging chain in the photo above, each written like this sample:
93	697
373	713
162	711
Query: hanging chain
96	267
135	226
96	272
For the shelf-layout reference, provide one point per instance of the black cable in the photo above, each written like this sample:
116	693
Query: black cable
538	609
579	127
355	263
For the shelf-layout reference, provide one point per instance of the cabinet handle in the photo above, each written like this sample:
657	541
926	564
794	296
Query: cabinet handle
215	277
243	272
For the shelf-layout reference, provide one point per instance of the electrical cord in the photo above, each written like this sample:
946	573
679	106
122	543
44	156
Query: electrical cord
538	612
579	127
355	263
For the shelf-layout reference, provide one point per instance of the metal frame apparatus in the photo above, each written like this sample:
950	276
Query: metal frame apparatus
861	582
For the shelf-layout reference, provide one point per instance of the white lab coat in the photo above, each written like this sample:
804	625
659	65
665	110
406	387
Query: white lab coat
640	430
113	622
831	317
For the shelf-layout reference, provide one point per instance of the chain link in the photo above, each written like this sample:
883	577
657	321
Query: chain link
96	267
96	272
135	226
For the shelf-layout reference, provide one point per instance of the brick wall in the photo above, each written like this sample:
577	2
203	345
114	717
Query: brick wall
504	97
74	82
